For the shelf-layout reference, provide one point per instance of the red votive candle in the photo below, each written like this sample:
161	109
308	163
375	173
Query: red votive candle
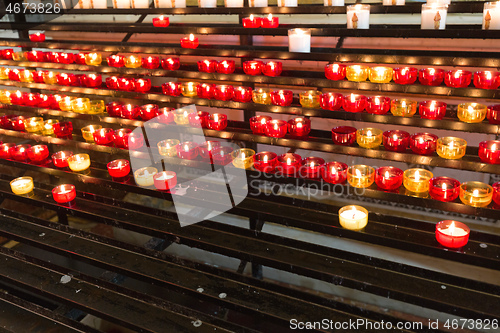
217	121
265	161
60	159
331	101
53	57
38	76
258	124
452	234
166	116
272	68
46	101
6	121
16	98
80	80
142	85
396	140
6	54
171	88
5	150
493	114
223	92
80	58
63	129
335	72
378	105
36	56
444	188
112	82
37	37
18	123
190	42
388	178
282	97
205	90
334	172
423	143
150	62
161	22
354	103
405	75
14	75
135	141
171	63
207	66
92	80
165	180
276	128
270	21
253	67
344	135
120	137
115	60
487	80
242	94
432	110
431	76
114	108
64	193
496	193
457	78
66	79
299	126
104	136
289	163
38	153
222	155
311	167
129	111
489	151
198	119
125	84
20	152
31	99
149	111
206	148
251	22
119	168
187	150
66	58
226	67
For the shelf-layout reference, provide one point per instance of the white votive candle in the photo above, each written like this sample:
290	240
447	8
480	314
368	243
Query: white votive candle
22	185
83	4
353	217
257	3
139	3
434	16
358	16
99	4
299	40
144	176
170	3
334	2
287	3
122	4
393	2
491	16
207	3
233	3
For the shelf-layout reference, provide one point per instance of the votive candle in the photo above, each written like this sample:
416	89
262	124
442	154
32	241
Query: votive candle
369	137
444	189
357	73
334	172
389	178
471	112
476	194
360	176
353	217
144	176
22	186
417	180
79	162
403	107
243	158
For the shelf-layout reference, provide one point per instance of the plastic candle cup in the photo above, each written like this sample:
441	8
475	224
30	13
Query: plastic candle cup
242	94
19	56
14	74
258	124
171	88
37	37
33	124
217	121
181	117
265	161
276	128
206	148
389	178
405	75
142	85
118	168
64	193
272	68
6	121
417	180
311	167
261	96
403	107
476	194
112	82
168	147
63	129
489	151
171	63
243	158
166	115
80	105
65	58
223	92
423	143
187	150
60	159
358	16
20	152
331	101
233	3
222	155
115	60
6	150
471	112
434	16
121	83
360	176
129	111
66	79
251	22
92	80
31	99
310	99
334	172
6	54
79	162
369	137
457	78
496	193
93	59
26	76
289	163
484	80
299	127
253	67
432	110
16	98
282	97
335	72
22	186
190	42
396	140
344	135
149	111
356	73
161	22
144	176
97	107
5	97
133	61
354	103
226	66
88	132
491	16
165	180
444	189
353	217
135	141
378	105
380	74
198	119
65	103
4	73
299	40
430	76
18	123
452	234
188	89
104	136
207	66
114	108
120	137
38	153
35	56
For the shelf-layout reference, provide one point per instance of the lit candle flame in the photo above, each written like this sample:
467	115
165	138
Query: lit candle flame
443	186
475	193
395	137
353	98
251	17
432	71
186	148
451	228
457	74
263	121
369	133
161	18
358	173
216	117
417	176
403	103
270	17
191	37
470	109
488	75
288	161
265	158
387	175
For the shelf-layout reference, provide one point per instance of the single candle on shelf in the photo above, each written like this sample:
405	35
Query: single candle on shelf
335	72
38	153
120	137
354	103
144	176
33	124
97	107
353	217
226	66
369	137
272	68
207	66
378	105
19	56
222	155
129	111
270	21
491	16
171	88
471	112
423	143
135	141
14	74
60	159
358	16
431	76
31	99
356	73
190	42
4	73
79	162
444	188
265	161
112	82
64	193
217	121
35	56
299	127
205	90
393	2
188	89
65	58
114	108
388	178
310	99
63	129
257	3
299	40
187	150
20	152
331	101
360	176
115	60
287	3
181	117
289	163
66	79
18	123
434	16
104	136
6	54
66	102
149	111
334	172
489	151
80	105
206	148
457	78
170	3
380	74
207	3
403	107
405	75
171	63
233	3
165	180
133	61
276	128
311	167
92	80
282	97
432	110
118	168
243	158
161	22
6	121
258	124
344	135
6	149
251	22
198	119
26	76
93	59
261	96
37	37
484	80
452	234
476	194
253	67
223	92
417	180
22	186
142	85
396	140
149	62
496	193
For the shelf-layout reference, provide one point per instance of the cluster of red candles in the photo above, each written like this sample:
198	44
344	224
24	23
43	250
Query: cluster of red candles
120	138
257	67
128	84
276	128
260	22
457	78
24	152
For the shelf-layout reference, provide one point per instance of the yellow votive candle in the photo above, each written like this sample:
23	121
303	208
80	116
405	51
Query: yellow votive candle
65	103
80	105
476	194
450	147
471	112
19	56
79	162
403	107
144	176
22	186
353	217
88	132
243	158
5	96
369	137
50	77
356	73
417	180
96	107
47	126
181	116
188	89
33	124
360	176
4	73
26	76
93	59
310	98
168	147
261	96
133	61
381	74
